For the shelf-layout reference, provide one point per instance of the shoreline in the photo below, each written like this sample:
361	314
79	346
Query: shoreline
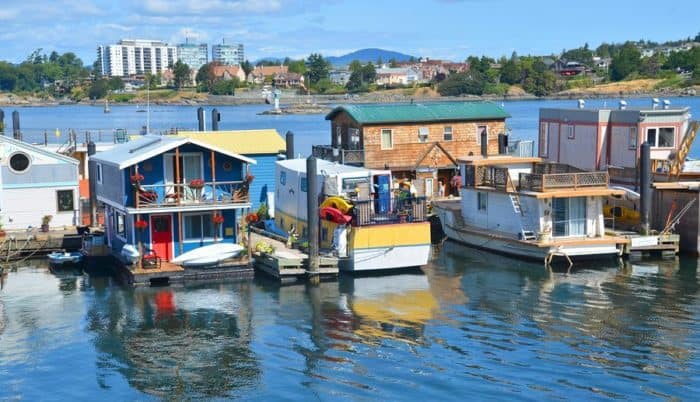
296	104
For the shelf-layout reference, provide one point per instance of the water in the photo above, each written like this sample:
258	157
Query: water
309	129
472	324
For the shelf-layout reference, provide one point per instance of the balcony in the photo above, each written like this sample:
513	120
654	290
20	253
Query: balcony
398	209
178	195
562	181
344	156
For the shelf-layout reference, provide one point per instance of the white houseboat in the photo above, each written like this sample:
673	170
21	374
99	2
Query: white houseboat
523	207
385	230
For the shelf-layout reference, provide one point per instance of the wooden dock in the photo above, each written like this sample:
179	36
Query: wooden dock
662	245
289	264
18	245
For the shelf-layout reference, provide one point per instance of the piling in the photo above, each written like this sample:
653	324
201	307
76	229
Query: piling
200	119
92	149
289	138
2	122
215	119
16	133
313	219
645	187
484	144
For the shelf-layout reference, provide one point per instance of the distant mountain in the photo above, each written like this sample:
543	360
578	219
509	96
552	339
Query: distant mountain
365	55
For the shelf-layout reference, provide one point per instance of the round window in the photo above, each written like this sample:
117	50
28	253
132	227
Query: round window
19	162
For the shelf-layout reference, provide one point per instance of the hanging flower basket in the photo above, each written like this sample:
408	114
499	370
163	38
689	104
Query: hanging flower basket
251	217
140	224
249	178
196	183
136	178
218	219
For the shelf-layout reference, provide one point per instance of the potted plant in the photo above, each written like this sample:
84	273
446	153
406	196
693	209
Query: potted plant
45	220
546	234
140	224
136	178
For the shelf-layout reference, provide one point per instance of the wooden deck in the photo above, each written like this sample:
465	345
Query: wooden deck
289	264
16	245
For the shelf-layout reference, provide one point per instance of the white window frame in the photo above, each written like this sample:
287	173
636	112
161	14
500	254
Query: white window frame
99	173
482	201
185	223
390	132
657	131
120	227
544	139
423	133
570	131
339	136
445	133
354	134
632	139
478	134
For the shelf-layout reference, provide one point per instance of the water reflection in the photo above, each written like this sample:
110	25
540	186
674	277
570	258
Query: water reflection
176	343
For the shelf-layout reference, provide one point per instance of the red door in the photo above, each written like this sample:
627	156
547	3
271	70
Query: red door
162	236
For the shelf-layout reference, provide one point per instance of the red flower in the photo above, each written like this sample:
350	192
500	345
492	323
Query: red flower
140	224
136	178
249	178
251	217
197	183
218	219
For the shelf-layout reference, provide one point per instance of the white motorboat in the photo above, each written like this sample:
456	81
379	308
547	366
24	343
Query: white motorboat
130	253
65	257
208	255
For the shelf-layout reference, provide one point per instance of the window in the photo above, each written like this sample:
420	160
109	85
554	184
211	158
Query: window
339	136
481	201
119	224
423	134
99	173
663	137
64	200
544	139
479	131
304	185
447	133
569	216
387	140
570	132
19	162
283	178
632	141
354	138
199	227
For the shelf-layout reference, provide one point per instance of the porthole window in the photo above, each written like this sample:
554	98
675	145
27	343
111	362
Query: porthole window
19	162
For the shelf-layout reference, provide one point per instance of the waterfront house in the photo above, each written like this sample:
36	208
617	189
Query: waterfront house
260	74
229	72
592	139
397	76
288	80
418	142
169	193
265	146
339	77
35	183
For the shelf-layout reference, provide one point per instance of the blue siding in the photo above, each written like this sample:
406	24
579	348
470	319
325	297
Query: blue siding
264	181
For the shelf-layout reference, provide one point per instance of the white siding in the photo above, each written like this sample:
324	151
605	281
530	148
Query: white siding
499	214
24	207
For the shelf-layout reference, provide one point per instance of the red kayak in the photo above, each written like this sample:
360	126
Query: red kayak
334	215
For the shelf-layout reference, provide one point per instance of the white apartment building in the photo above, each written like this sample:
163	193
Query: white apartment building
135	57
195	56
228	55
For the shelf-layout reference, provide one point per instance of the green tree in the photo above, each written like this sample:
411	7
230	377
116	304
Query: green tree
355	65
625	62
225	87
247	67
297	66
581	55
318	68
181	74
471	82
8	76
510	72
205	77
98	89
115	84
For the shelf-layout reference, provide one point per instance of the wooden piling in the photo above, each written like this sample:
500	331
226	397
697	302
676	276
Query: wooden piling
312	219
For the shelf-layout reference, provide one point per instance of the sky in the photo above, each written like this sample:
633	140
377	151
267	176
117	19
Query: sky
439	29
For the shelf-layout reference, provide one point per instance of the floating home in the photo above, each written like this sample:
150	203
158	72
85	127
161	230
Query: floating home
417	142
168	193
527	208
35	183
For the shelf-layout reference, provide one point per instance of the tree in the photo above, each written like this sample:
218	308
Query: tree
98	89
393	63
297	66
115	84
510	72
581	54
247	67
225	87
181	74
361	76
8	76
471	82
318	68
152	81
205	77
355	65
625	62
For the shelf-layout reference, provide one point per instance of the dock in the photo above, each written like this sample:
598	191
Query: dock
659	245
18	245
288	264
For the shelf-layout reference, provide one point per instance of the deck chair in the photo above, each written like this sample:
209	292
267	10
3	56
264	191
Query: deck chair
150	259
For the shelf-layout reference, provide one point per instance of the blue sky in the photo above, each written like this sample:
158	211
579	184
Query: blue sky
449	29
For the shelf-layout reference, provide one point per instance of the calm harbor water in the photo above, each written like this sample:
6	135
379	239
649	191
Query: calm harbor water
469	324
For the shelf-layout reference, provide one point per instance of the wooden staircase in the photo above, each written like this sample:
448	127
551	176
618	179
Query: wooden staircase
683	150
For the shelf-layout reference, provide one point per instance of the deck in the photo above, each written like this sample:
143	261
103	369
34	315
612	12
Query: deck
288	264
17	245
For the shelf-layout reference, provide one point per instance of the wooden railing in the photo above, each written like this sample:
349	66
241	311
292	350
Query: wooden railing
496	177
169	195
409	209
559	181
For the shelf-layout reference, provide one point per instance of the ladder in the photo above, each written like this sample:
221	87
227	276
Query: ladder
515	200
525	234
683	150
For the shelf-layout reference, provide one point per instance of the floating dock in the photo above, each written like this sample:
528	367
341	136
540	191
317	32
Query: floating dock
288	264
659	245
19	245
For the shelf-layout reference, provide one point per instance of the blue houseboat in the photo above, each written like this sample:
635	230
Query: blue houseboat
172	194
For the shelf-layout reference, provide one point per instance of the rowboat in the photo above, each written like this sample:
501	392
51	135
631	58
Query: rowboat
65	257
208	255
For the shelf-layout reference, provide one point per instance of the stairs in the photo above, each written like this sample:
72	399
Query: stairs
683	150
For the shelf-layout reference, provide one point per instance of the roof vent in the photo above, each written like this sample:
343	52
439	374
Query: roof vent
623	105
654	103
581	103
667	103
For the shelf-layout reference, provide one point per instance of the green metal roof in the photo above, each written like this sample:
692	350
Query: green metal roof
420	112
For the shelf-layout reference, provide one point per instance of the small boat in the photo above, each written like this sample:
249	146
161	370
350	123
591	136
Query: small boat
65	257
338	203
208	255
130	253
